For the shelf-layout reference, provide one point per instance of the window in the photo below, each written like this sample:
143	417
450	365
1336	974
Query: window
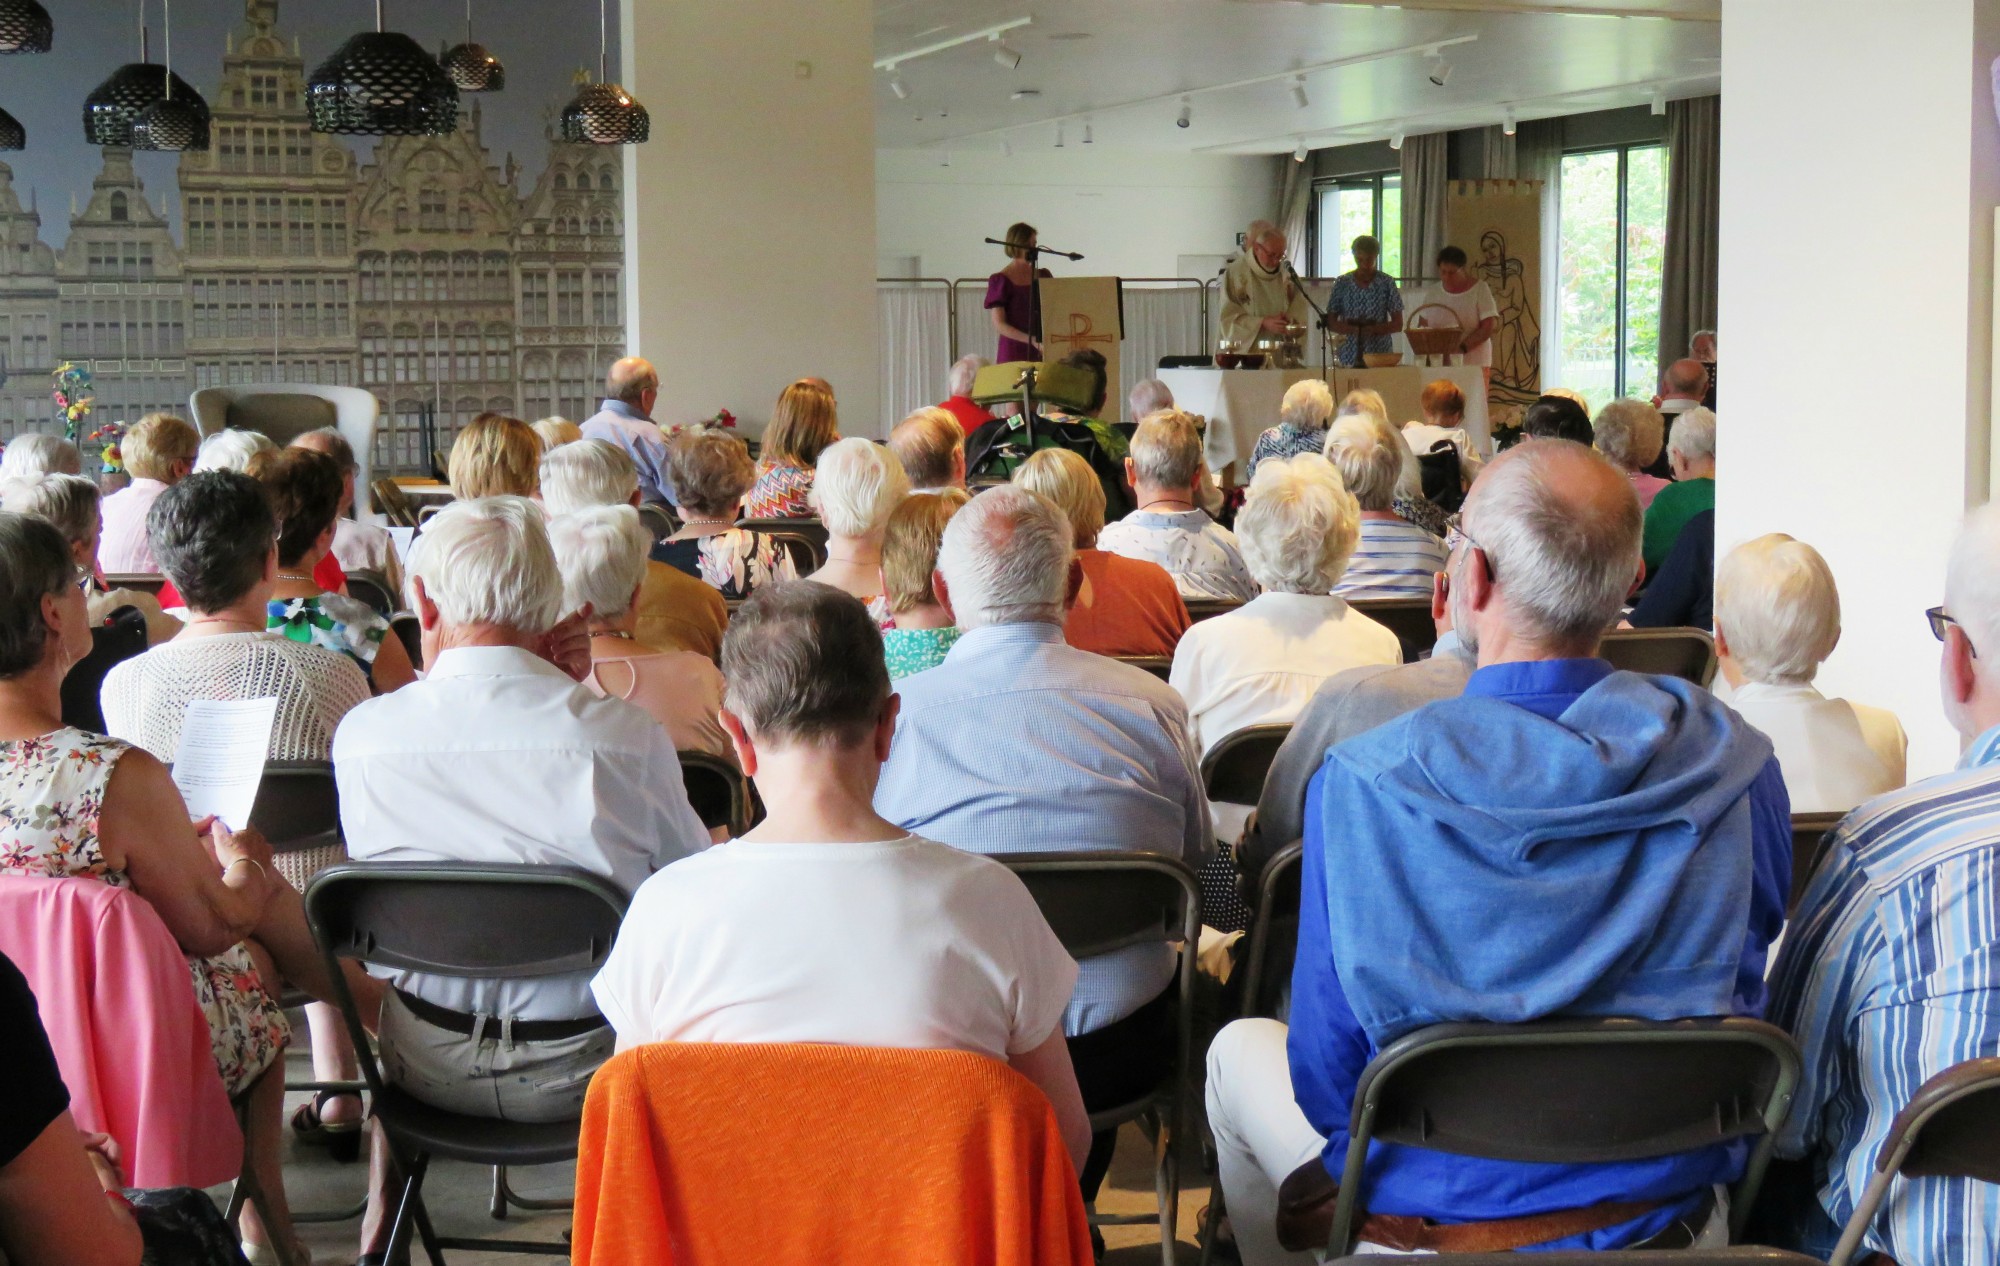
119	210
1606	332
374	355
1344	209
465	276
374	267
466	341
569	298
604	298
406	354
437	271
537	397
498	354
403	276
431	210
332	227
534	298
572	386
494	281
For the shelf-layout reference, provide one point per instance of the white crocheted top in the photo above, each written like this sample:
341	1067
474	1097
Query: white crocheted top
145	696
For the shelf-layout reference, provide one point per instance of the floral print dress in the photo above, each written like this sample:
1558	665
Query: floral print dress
51	798
346	626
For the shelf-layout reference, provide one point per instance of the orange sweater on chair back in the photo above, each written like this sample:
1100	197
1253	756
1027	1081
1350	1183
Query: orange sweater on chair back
715	1155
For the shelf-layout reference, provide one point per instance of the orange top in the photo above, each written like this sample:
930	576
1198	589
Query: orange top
1126	607
696	1154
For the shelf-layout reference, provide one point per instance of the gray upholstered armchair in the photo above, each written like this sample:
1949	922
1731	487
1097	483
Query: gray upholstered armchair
286	410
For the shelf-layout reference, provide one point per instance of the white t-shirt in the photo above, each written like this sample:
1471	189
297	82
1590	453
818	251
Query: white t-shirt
1472	307
898	943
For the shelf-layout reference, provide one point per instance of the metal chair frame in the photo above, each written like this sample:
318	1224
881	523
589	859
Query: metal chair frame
1242	758
1809	832
1200	609
741	802
1644	638
1938	1104
372	587
1165	1106
1158	665
1408	618
1288	860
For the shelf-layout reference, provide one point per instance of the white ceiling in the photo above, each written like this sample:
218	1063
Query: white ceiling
1090	59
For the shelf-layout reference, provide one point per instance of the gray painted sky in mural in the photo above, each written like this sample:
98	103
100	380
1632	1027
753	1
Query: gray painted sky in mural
542	43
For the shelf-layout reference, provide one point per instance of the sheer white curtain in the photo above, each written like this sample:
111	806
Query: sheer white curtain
1159	321
915	322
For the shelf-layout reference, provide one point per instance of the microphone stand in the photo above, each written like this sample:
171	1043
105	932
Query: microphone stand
1035	254
1325	331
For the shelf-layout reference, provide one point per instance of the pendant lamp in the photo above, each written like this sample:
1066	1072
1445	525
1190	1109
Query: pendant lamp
12	134
176	121
604	113
114	105
470	66
380	83
25	27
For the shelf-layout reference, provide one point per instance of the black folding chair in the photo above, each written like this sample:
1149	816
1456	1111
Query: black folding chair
1233	771
1200	609
144	581
718	791
373	588
1098	902
1274	931
812	529
439	918
1809	832
409	631
1745	1255
1408	618
808	553
111	644
1629	1090
659	520
1688	654
1158	665
1949	1129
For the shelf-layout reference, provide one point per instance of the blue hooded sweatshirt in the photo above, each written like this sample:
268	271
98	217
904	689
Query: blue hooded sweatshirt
1564	840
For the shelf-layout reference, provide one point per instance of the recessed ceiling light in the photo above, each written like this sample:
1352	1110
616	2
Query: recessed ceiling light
1025	94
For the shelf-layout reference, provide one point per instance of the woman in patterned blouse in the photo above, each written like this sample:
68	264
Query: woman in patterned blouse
804	424
1302	419
924	632
709	471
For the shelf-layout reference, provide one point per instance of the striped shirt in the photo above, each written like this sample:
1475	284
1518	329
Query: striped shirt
1890	974
1393	559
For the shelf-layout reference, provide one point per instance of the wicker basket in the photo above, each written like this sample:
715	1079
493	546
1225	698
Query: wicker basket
1433	340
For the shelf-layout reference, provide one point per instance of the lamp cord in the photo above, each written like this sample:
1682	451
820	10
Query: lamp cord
603	44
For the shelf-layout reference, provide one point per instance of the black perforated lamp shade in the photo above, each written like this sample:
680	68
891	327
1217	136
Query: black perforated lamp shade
473	69
12	134
605	114
25	27
175	124
381	83
114	105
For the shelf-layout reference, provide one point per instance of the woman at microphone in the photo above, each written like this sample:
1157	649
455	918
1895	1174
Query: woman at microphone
1010	297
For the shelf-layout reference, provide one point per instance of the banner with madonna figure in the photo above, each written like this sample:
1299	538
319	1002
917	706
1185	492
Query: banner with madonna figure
1498	224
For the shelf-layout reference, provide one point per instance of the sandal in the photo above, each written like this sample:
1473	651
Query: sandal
342	1140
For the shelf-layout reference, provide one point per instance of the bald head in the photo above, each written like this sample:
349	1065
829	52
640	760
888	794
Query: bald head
1685	380
1559	527
635	381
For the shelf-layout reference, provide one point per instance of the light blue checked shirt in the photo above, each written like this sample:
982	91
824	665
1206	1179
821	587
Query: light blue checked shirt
1889	975
1020	743
616	422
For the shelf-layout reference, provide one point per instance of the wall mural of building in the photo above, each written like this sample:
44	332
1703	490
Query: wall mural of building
422	273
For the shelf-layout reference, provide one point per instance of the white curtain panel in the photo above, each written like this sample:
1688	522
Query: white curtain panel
915	325
975	327
1159	321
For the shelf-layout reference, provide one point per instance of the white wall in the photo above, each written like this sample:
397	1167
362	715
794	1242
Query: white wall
1869	447
750	215
1131	214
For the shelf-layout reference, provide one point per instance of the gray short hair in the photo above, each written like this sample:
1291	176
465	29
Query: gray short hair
963	372
856	485
1166	449
1307	405
1693	436
587	473
39	454
232	450
1629	432
487	560
925	443
68	501
1005	559
1972	581
1149	395
1566	558
601	552
1777	605
1298	525
1369	456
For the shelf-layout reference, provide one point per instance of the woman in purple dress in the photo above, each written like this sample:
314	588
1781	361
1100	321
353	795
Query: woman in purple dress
1010	297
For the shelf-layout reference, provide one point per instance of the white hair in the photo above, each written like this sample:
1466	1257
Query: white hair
1777	605
1166	450
601	551
1307	405
1369	456
1693	436
963	371
1149	395
1628	432
856	486
1972	582
487	561
36	454
1257	232
68	501
1005	559
1298	525
587	473
231	450
1565	560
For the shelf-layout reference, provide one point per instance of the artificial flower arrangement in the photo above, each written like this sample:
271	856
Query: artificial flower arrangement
112	457
722	418
73	396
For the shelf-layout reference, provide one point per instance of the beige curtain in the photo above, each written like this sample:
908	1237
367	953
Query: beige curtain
1687	289
1424	178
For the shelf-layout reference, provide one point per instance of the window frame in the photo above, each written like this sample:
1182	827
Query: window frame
1622	245
1377	183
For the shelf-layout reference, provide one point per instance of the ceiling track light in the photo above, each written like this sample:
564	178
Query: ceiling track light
1088	137
1299	154
1440	73
1396	139
1659	104
1508	122
897	86
1299	97
1006	55
1059	136
1006	148
1186	118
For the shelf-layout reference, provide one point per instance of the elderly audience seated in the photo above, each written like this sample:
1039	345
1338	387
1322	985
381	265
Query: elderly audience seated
1656	879
1777	618
601	551
1681	594
625	421
304	488
1020	743
829	922
1683	386
931	448
1691	455
1125	606
82	805
1148	396
923	634
498	755
71	502
1630	434
856	486
231	449
495	456
35	454
1394	558
1887	974
958	402
159	451
1303	417
1443	405
804	424
675	611
1557	417
358	546
1409	501
554	432
1169	528
708	472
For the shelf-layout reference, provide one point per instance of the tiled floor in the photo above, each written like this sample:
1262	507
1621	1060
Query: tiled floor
457	1196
